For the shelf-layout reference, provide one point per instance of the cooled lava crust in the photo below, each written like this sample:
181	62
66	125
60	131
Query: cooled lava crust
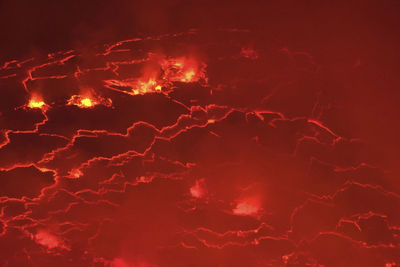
186	149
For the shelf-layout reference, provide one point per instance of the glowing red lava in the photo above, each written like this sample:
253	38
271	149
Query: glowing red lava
87	101
183	69
197	148
36	102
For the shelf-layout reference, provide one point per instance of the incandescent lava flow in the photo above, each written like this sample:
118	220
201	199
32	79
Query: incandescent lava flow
201	153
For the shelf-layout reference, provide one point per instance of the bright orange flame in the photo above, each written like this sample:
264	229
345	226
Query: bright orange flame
182	70
87	102
148	86
188	76
247	207
81	101
35	102
138	86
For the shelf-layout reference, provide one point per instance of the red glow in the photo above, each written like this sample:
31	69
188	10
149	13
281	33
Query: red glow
48	240
76	173
88	101
137	87
183	70
144	87
198	189
249	53
273	143
119	263
82	101
248	206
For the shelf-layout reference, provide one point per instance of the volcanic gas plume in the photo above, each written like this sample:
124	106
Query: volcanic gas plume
196	148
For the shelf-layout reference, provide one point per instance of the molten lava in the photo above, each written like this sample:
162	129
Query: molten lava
135	86
88	101
82	101
36	102
183	69
144	87
75	173
225	148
